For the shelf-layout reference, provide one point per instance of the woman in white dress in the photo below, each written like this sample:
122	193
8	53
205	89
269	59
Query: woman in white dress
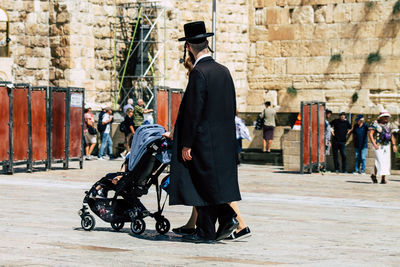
381	136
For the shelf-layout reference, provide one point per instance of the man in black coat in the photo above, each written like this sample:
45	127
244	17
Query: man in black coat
203	167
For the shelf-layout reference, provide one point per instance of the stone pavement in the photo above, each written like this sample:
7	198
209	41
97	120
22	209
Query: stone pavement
296	220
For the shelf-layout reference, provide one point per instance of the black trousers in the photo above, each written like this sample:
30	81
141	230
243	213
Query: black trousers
207	217
339	146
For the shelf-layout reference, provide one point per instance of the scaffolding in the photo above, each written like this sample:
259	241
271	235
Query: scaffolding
139	46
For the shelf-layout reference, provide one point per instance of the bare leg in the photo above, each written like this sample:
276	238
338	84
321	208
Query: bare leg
242	224
191	223
87	151
269	145
264	145
91	149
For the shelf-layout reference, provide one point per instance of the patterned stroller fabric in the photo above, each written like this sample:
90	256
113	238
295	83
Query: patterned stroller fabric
143	136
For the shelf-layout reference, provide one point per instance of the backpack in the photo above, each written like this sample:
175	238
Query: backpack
122	127
260	121
100	126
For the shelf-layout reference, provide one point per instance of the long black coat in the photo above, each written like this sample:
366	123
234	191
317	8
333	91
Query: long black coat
206	124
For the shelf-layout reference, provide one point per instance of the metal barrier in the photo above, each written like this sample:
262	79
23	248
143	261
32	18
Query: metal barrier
312	138
5	129
66	125
167	105
40	125
40	151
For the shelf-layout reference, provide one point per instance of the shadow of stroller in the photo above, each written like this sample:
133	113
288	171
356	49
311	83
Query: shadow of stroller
155	236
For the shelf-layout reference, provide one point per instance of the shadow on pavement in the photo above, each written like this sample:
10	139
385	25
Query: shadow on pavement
155	236
358	182
104	229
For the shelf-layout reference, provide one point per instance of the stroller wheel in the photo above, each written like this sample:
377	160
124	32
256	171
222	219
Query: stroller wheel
117	226
88	222
162	226
138	226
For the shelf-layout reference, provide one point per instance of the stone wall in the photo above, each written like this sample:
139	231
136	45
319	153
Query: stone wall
292	42
268	45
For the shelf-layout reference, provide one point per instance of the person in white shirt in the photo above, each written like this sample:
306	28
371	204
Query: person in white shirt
106	141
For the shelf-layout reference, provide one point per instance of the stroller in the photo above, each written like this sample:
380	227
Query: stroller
148	158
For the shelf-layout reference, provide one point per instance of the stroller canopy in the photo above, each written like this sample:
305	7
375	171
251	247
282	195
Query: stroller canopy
143	136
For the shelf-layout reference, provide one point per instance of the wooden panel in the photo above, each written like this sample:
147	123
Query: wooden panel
75	131
175	103
306	137
20	124
162	108
58	126
38	111
4	119
321	134
314	133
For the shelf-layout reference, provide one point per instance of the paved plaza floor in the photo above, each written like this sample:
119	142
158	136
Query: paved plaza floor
296	220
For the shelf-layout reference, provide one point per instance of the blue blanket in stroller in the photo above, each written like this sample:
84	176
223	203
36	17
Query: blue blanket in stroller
143	136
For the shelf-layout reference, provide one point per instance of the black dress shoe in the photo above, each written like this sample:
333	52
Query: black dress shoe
195	238
227	229
184	231
373	178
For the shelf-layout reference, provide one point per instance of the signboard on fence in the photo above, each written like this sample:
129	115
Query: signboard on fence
312	140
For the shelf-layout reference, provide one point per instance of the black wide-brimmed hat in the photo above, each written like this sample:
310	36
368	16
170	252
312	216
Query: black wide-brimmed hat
195	32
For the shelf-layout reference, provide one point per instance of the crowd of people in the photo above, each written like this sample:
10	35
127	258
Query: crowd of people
133	118
380	133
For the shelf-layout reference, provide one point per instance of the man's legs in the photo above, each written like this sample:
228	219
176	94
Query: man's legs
207	217
110	145
335	155
364	152
358	157
103	144
342	149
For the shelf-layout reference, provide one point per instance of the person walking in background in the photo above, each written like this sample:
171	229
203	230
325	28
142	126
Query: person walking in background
129	131
381	135
100	126
106	141
89	132
138	113
341	129
269	116
242	132
328	132
360	138
128	105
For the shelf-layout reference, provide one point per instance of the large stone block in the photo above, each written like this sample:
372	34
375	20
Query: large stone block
255	97
277	15
295	65
342	13
294	48
303	15
271	49
258	33
284	32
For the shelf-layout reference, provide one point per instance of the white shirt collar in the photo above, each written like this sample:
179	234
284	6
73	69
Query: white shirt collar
201	57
